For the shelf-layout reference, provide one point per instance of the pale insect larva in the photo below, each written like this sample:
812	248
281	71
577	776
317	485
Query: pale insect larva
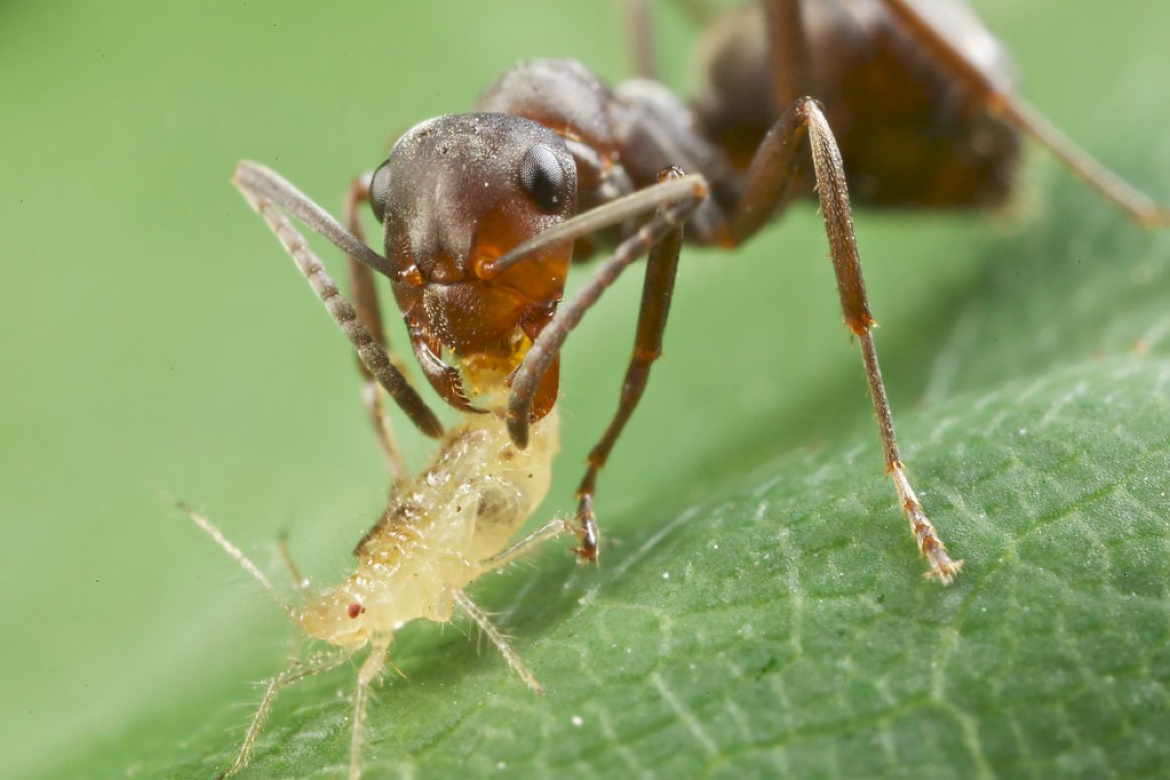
439	533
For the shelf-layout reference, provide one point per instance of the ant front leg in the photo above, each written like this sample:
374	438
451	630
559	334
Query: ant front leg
657	288
661	237
365	302
769	179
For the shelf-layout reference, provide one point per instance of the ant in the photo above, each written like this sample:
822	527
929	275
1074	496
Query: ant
452	523
483	213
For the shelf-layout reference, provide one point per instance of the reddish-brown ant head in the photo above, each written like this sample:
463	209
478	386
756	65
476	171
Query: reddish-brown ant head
458	192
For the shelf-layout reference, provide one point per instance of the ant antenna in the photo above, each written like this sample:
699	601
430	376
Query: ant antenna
253	180
237	554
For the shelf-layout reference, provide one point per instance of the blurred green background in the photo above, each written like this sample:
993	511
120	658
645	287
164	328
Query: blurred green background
155	338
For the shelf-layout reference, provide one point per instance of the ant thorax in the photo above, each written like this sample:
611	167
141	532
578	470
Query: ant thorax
439	532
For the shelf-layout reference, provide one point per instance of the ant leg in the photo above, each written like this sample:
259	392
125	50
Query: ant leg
369	672
643	54
657	288
1000	99
639	18
699	12
295	673
365	302
264	189
774	164
493	633
790	62
668	220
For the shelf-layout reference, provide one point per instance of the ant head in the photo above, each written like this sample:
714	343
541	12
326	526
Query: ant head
456	193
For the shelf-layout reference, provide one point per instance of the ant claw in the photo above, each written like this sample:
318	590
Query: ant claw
587	530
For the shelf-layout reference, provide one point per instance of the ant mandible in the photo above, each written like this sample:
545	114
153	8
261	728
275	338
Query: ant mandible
911	105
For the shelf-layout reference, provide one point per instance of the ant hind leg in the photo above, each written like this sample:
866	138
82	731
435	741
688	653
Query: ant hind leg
1002	100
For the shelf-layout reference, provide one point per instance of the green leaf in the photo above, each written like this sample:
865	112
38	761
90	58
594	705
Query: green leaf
758	610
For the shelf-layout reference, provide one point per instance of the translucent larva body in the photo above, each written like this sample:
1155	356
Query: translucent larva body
439	533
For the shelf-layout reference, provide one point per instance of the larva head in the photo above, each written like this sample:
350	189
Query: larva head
337	617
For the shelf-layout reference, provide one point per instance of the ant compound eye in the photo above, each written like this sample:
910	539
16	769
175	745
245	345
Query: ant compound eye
379	190
353	610
543	177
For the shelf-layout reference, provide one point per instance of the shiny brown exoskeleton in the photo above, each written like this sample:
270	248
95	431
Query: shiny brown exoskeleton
903	103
